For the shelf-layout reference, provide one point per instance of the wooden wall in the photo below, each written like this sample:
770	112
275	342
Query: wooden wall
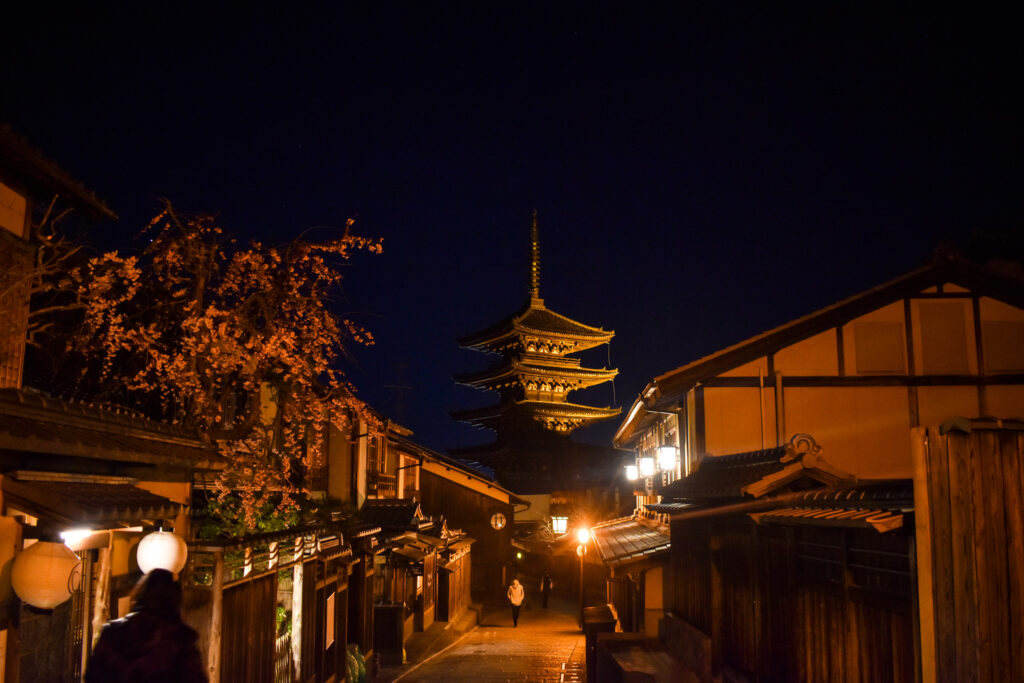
471	511
969	490
247	640
453	593
797	603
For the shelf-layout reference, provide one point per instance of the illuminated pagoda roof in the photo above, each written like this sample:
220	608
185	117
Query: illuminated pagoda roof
532	371
547	332
535	375
554	416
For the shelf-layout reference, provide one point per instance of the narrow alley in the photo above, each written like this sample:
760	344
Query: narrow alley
546	646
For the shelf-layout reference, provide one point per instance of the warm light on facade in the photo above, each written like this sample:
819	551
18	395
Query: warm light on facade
632	472
646	467
72	537
559	525
667	458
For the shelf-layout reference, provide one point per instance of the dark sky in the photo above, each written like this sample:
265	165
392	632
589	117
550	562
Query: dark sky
700	175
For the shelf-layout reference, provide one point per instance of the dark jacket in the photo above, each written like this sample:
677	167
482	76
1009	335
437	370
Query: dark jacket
146	647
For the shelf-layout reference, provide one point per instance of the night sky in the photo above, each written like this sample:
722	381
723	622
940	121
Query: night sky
700	175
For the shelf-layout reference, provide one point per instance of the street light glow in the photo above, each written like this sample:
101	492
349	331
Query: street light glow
647	467
667	458
583	534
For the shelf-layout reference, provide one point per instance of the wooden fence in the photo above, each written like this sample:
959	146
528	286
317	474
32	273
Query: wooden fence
234	591
969	494
797	603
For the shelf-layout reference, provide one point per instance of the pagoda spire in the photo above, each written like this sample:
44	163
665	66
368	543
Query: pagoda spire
534	259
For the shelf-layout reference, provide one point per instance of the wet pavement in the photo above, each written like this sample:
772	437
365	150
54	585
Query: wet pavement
546	646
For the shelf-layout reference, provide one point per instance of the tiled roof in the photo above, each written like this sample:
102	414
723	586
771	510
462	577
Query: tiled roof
30	423
539	408
536	318
724	476
526	368
628	539
880	506
392	514
756	473
85	501
667	508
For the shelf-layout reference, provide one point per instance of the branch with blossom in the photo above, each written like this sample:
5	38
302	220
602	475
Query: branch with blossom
235	341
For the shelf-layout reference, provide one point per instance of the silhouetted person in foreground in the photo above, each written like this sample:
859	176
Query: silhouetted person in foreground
546	584
151	644
516	593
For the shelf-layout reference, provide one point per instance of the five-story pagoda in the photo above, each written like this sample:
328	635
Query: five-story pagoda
533	378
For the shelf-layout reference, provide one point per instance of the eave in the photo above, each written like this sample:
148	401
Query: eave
665	391
535	408
534	319
586	377
25	165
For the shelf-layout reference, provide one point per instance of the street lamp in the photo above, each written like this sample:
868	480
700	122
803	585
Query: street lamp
667	458
646	466
582	535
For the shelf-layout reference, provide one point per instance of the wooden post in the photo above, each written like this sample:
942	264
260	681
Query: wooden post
298	579
923	531
216	617
273	555
101	605
247	566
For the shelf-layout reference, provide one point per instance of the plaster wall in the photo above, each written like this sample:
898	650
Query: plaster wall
540	508
937	404
733	418
863	430
817	355
339	463
1005	401
654	602
13	210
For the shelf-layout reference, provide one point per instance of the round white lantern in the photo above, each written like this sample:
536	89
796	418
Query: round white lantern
45	574
162	550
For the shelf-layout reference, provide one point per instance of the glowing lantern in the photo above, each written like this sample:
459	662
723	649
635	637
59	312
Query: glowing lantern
45	574
583	534
647	466
632	472
162	550
667	458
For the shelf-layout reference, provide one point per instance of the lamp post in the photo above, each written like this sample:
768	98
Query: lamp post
582	535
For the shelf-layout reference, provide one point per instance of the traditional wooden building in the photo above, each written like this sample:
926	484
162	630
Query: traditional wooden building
941	341
775	576
466	499
865	376
91	476
533	377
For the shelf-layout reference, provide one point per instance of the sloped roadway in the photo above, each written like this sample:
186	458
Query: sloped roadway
546	646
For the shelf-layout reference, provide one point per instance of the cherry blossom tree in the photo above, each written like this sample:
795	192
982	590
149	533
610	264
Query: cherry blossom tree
238	342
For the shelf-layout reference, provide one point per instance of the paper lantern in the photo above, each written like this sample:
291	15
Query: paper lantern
45	574
162	550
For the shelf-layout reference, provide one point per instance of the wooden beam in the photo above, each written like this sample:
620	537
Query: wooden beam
216	617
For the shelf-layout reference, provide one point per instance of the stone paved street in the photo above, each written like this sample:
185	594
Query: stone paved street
536	650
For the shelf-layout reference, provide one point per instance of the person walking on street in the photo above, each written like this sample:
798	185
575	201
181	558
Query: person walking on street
516	593
152	643
546	584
